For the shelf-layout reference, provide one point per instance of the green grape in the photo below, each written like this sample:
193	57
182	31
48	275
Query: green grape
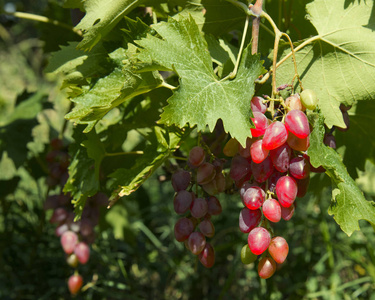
309	99
247	257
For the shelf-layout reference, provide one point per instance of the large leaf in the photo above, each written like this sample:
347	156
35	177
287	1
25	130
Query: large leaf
339	64
202	98
348	203
110	91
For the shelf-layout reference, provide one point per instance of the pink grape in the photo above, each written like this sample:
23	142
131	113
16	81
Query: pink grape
258	152
68	240
275	135
182	201
296	122
207	228
260	122
180	180
299	167
196	156
259	239
257	105
249	219
262	171
272	210
183	228
254	197
214	206
196	242
266	267
278	249
298	144
287	212
82	251
286	190
294	102
281	157
75	283
207	256
199	208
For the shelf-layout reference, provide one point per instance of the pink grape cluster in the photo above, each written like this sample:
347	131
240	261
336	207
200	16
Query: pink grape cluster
196	225
270	172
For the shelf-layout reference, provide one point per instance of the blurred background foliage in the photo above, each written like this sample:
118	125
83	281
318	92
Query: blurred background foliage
135	255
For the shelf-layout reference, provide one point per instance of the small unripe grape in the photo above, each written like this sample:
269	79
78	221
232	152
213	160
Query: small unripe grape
309	99
72	260
75	283
247	257
231	148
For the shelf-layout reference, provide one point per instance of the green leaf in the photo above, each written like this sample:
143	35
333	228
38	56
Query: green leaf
101	17
153	157
366	179
110	91
338	64
202	98
348	202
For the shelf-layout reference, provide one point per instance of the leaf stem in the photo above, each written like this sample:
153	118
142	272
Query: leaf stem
167	85
124	153
38	18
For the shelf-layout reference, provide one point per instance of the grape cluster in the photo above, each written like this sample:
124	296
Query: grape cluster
75	236
270	173
209	178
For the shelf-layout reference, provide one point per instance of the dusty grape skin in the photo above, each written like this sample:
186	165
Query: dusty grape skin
278	249
262	171
196	242
199	208
266	267
196	156
207	228
183	228
259	239
75	283
296	122
240	168
207	256
299	167
298	144
180	180
205	173
272	210
214	206
254	197
182	201
257	105
249	219
275	135
281	157
258	152
260	122
231	147
286	190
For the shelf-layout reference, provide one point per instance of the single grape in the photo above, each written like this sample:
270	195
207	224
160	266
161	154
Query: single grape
259	239
287	212
296	122
72	260
205	173
272	210
183	228
75	283
294	102
302	185
257	105
260	122
199	208
207	228
299	167
258	152
298	144
309	99
82	251
247	257
278	249
280	157
245	152
213	206
254	197
196	242
61	229
59	215
231	147
207	256
286	190
68	240
266	267
196	156
262	171
182	201
180	180
240	168
275	135
330	141
249	219
217	185
345	116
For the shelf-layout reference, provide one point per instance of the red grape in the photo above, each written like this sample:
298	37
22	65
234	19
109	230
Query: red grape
199	208
262	171
330	141
299	167
245	152
68	240
258	152
182	201
281	157
254	197
196	242
275	135
240	168
296	122
249	219
294	102
302	185
82	251
205	173
180	180
278	249
207	256
214	206
259	239
345	116
266	267
298	144
196	156
287	212
286	190
75	283
257	105
183	228
260	122
207	228
272	210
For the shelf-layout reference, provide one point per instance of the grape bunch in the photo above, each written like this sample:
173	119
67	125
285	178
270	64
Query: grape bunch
75	236
270	173
196	225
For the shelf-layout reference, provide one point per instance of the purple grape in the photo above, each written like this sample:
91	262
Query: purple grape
281	157
249	219
199	208
180	180
182	201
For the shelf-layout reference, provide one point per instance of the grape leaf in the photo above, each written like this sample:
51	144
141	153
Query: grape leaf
110	91
202	98
348	204
339	62
366	179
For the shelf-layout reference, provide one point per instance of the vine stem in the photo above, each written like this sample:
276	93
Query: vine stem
124	153
258	6
33	17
